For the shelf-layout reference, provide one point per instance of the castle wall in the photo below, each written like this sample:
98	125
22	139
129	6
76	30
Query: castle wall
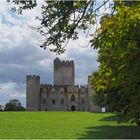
33	92
73	103
55	98
63	95
63	98
63	72
83	99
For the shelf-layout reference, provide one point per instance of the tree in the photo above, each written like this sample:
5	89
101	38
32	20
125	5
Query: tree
119	55
62	19
1	108
14	105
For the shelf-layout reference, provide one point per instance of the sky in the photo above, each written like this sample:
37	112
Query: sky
20	54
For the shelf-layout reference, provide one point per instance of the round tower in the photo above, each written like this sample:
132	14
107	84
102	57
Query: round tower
33	92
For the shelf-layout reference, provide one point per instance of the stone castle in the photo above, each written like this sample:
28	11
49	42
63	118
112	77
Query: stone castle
64	95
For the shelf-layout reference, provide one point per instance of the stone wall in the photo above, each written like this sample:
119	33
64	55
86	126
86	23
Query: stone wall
63	95
33	92
59	98
63	72
53	98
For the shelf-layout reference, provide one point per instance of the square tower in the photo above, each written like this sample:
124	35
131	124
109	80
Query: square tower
63	72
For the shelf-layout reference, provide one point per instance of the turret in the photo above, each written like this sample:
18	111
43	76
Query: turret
33	92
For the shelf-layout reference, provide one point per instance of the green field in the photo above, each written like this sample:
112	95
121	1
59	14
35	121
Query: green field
73	125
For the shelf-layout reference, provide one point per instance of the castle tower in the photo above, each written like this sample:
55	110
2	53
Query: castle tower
33	92
63	72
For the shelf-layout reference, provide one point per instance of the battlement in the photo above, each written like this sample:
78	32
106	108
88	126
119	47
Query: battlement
33	76
83	89
46	86
63	72
58	62
73	89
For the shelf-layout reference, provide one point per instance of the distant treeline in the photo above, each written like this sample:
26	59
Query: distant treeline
12	105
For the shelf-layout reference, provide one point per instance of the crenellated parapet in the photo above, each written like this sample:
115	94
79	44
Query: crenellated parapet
83	89
73	89
46	86
59	63
33	77
63	72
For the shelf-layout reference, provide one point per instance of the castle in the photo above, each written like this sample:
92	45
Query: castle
64	95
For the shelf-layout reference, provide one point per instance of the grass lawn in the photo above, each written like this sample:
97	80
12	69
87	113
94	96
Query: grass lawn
74	125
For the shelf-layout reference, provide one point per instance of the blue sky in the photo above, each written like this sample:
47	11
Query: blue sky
21	55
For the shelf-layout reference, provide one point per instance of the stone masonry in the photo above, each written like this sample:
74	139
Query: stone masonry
64	95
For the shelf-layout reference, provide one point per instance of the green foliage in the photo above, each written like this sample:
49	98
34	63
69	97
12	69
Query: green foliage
14	105
1	108
63	125
99	99
61	20
23	5
118	41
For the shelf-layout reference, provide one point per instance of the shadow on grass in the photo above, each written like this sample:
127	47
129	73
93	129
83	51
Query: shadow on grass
111	132
116	117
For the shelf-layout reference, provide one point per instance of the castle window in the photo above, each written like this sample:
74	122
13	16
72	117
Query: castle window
53	101
73	98
62	101
44	101
44	95
83	101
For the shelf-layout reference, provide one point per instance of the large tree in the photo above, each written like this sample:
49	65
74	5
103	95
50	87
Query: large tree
118	41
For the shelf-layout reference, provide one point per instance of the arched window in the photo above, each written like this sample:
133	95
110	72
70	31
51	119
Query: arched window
83	101
62	101
53	101
44	101
73	98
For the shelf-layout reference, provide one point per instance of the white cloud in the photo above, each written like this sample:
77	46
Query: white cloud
45	63
12	90
20	55
8	17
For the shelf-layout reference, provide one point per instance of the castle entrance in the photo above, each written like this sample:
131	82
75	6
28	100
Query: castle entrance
73	108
